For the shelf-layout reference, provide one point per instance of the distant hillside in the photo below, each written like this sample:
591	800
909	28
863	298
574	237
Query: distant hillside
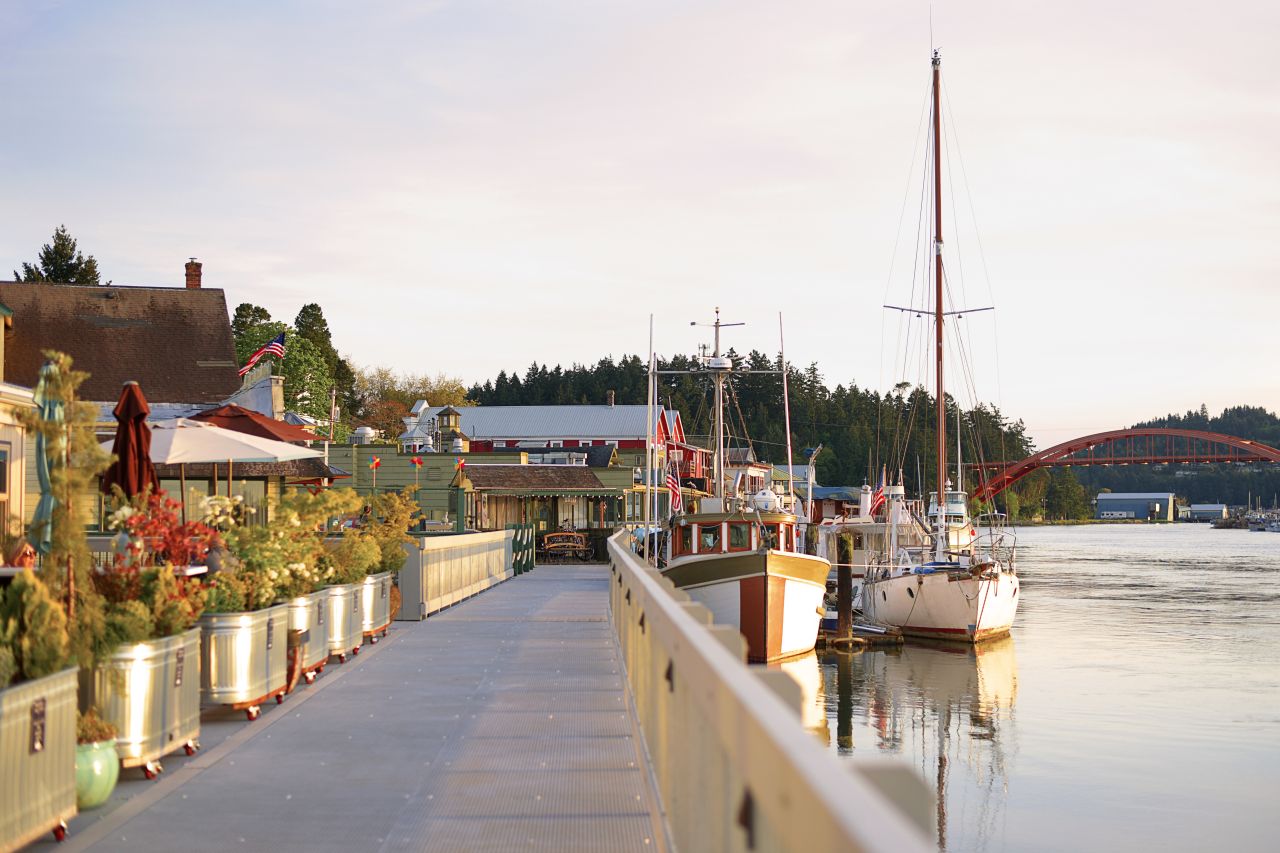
1230	484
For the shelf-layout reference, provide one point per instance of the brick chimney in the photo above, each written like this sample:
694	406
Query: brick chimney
610	398
193	274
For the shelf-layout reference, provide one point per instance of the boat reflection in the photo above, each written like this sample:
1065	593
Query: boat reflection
806	670
946	708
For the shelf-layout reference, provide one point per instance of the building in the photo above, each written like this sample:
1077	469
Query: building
1207	512
1151	506
175	342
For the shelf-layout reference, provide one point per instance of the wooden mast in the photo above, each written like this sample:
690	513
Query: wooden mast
941	426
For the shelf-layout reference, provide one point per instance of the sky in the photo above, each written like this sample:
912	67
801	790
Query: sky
467	187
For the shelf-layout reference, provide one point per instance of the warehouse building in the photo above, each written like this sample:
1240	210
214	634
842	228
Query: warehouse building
1154	506
1207	512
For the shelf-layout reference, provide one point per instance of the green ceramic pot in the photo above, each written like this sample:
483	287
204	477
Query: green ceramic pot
97	769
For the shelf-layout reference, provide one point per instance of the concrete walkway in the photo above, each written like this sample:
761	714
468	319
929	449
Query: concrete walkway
503	723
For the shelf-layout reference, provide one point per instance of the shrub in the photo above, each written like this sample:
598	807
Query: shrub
34	628
129	622
224	593
176	603
8	664
90	728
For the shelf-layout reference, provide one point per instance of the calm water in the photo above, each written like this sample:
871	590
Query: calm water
1137	706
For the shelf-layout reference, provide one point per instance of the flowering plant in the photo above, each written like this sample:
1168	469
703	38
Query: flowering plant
157	535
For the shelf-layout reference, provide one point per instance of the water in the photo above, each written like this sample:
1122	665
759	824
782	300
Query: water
1136	707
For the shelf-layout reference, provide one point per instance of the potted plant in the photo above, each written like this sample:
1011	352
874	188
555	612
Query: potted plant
151	605
269	587
391	516
37	714
97	765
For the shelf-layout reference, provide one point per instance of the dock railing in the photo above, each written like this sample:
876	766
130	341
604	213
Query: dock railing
440	571
734	767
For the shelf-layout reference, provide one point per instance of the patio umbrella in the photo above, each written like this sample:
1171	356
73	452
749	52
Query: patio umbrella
181	441
254	423
51	411
132	471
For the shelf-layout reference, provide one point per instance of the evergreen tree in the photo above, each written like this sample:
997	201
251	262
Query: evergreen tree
60	262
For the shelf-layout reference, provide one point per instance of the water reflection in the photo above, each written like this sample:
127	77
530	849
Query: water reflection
807	672
948	710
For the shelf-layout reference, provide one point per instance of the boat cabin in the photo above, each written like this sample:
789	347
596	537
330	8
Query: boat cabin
727	533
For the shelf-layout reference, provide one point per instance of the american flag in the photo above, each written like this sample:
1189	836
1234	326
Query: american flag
673	486
275	347
877	499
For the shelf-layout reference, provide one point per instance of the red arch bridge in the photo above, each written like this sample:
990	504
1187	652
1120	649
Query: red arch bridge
1144	446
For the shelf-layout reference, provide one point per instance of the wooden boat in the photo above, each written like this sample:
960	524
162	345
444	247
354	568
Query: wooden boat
739	555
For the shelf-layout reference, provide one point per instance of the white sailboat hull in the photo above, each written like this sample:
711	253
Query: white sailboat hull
944	606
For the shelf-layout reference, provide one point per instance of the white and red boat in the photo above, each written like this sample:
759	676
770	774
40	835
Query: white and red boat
740	556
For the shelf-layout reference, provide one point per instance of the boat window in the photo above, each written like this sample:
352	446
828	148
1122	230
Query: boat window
708	539
739	537
769	536
684	541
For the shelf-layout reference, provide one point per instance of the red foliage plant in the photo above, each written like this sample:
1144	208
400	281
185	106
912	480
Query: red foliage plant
157	536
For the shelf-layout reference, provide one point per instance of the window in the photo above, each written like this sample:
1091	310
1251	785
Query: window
739	537
4	483
708	539
684	542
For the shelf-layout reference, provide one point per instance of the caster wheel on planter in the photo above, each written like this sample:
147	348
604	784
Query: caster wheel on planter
60	832
342	658
384	633
191	747
355	651
310	677
152	769
373	638
253	712
279	698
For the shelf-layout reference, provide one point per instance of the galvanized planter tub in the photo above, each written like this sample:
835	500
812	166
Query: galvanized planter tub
375	595
151	693
345	622
307	617
37	758
244	658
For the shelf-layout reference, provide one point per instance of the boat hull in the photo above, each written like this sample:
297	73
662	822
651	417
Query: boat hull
944	606
774	598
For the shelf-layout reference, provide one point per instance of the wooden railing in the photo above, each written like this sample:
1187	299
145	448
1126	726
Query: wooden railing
735	768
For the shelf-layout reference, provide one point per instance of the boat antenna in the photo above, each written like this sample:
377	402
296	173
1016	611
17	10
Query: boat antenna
719	366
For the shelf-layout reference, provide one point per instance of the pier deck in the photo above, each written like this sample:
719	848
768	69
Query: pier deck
502	723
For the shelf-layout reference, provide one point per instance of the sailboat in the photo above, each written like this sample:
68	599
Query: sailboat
739	555
961	585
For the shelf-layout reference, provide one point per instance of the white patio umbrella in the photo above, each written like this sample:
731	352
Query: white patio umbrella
181	441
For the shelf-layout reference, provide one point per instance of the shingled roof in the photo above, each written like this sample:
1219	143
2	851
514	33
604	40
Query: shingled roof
175	342
559	478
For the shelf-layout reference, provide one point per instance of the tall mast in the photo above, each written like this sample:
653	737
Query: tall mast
718	488
937	297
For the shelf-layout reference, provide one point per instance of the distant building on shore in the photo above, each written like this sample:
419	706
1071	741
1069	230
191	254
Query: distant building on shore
1155	506
1207	512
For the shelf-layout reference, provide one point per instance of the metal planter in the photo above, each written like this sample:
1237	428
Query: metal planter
308	636
375	596
345	621
244	658
151	693
37	758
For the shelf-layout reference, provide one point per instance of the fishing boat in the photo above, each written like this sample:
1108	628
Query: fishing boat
961	585
739	554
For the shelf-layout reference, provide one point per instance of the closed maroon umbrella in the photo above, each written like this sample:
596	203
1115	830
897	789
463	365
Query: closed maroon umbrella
132	471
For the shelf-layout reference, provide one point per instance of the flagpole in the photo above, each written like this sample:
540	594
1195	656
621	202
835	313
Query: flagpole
648	449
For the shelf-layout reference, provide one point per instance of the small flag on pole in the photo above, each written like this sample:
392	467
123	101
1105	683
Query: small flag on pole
375	463
877	500
275	347
673	485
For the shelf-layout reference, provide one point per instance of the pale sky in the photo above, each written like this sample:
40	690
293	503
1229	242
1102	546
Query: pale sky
471	186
